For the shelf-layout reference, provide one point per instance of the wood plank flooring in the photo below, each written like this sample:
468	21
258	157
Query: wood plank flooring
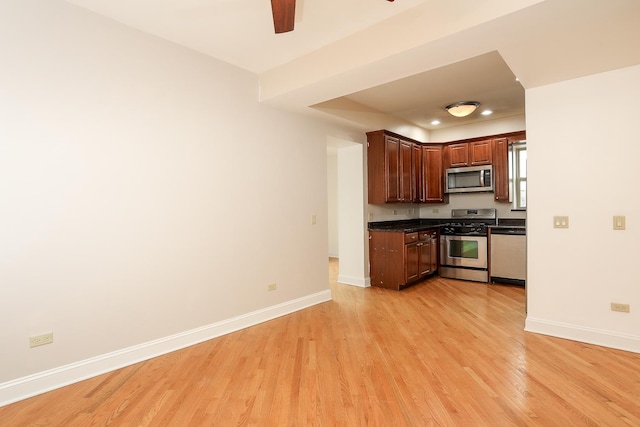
443	352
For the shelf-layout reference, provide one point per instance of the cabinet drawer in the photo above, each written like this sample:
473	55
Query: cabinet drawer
410	237
423	236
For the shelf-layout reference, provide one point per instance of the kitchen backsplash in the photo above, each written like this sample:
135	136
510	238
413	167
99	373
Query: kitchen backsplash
456	201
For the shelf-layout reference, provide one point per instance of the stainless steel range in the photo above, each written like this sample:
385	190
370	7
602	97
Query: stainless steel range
463	244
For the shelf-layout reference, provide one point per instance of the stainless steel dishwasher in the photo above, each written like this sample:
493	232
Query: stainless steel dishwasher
508	258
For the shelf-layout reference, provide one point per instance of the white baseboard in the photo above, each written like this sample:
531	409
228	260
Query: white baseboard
42	382
595	336
363	282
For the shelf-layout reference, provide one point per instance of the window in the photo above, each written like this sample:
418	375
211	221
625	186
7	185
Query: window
518	174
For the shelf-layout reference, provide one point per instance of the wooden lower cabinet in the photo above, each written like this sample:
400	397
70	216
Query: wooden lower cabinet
399	259
412	265
435	251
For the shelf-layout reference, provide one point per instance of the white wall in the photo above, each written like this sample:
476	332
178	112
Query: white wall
582	143
483	128
470	201
332	200
145	193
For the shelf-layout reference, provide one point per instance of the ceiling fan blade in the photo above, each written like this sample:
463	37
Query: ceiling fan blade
284	14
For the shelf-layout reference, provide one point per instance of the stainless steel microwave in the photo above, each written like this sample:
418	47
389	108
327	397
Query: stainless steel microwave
469	180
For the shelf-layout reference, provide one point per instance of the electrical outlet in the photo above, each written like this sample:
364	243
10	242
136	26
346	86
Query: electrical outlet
623	308
38	340
560	222
395	211
435	210
370	216
313	220
271	287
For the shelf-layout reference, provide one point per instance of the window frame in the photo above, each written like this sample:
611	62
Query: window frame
515	175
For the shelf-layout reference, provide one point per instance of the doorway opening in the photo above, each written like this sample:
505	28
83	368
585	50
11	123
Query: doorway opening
346	216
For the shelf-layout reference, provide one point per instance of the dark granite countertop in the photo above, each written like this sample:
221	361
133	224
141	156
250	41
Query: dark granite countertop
407	225
511	222
513	226
505	225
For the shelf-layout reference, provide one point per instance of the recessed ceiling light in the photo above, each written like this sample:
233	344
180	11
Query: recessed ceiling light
435	122
517	79
487	113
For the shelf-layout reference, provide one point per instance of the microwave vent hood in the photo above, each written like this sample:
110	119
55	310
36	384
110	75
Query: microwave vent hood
471	179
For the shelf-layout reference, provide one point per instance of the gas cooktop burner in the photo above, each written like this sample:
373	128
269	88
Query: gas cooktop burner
469	222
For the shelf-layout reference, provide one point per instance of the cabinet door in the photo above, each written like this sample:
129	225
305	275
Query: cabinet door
425	258
377	258
406	187
457	155
432	174
480	153
387	259
435	244
501	170
416	174
376	168
392	170
412	262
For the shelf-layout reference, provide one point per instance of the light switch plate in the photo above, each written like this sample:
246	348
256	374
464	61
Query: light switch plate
622	308
619	222
560	222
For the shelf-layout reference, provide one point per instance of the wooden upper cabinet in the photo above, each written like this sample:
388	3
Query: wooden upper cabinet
501	169
432	174
416	172
401	170
390	169
480	153
456	155
406	184
464	154
383	167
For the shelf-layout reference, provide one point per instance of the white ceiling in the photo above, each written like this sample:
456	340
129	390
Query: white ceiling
241	31
420	99
378	64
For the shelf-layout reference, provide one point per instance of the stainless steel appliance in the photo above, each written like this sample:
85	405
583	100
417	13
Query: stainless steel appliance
469	179
463	244
508	255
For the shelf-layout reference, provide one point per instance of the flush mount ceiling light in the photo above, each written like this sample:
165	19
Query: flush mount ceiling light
462	109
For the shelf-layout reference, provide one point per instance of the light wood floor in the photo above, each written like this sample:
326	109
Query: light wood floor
443	352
